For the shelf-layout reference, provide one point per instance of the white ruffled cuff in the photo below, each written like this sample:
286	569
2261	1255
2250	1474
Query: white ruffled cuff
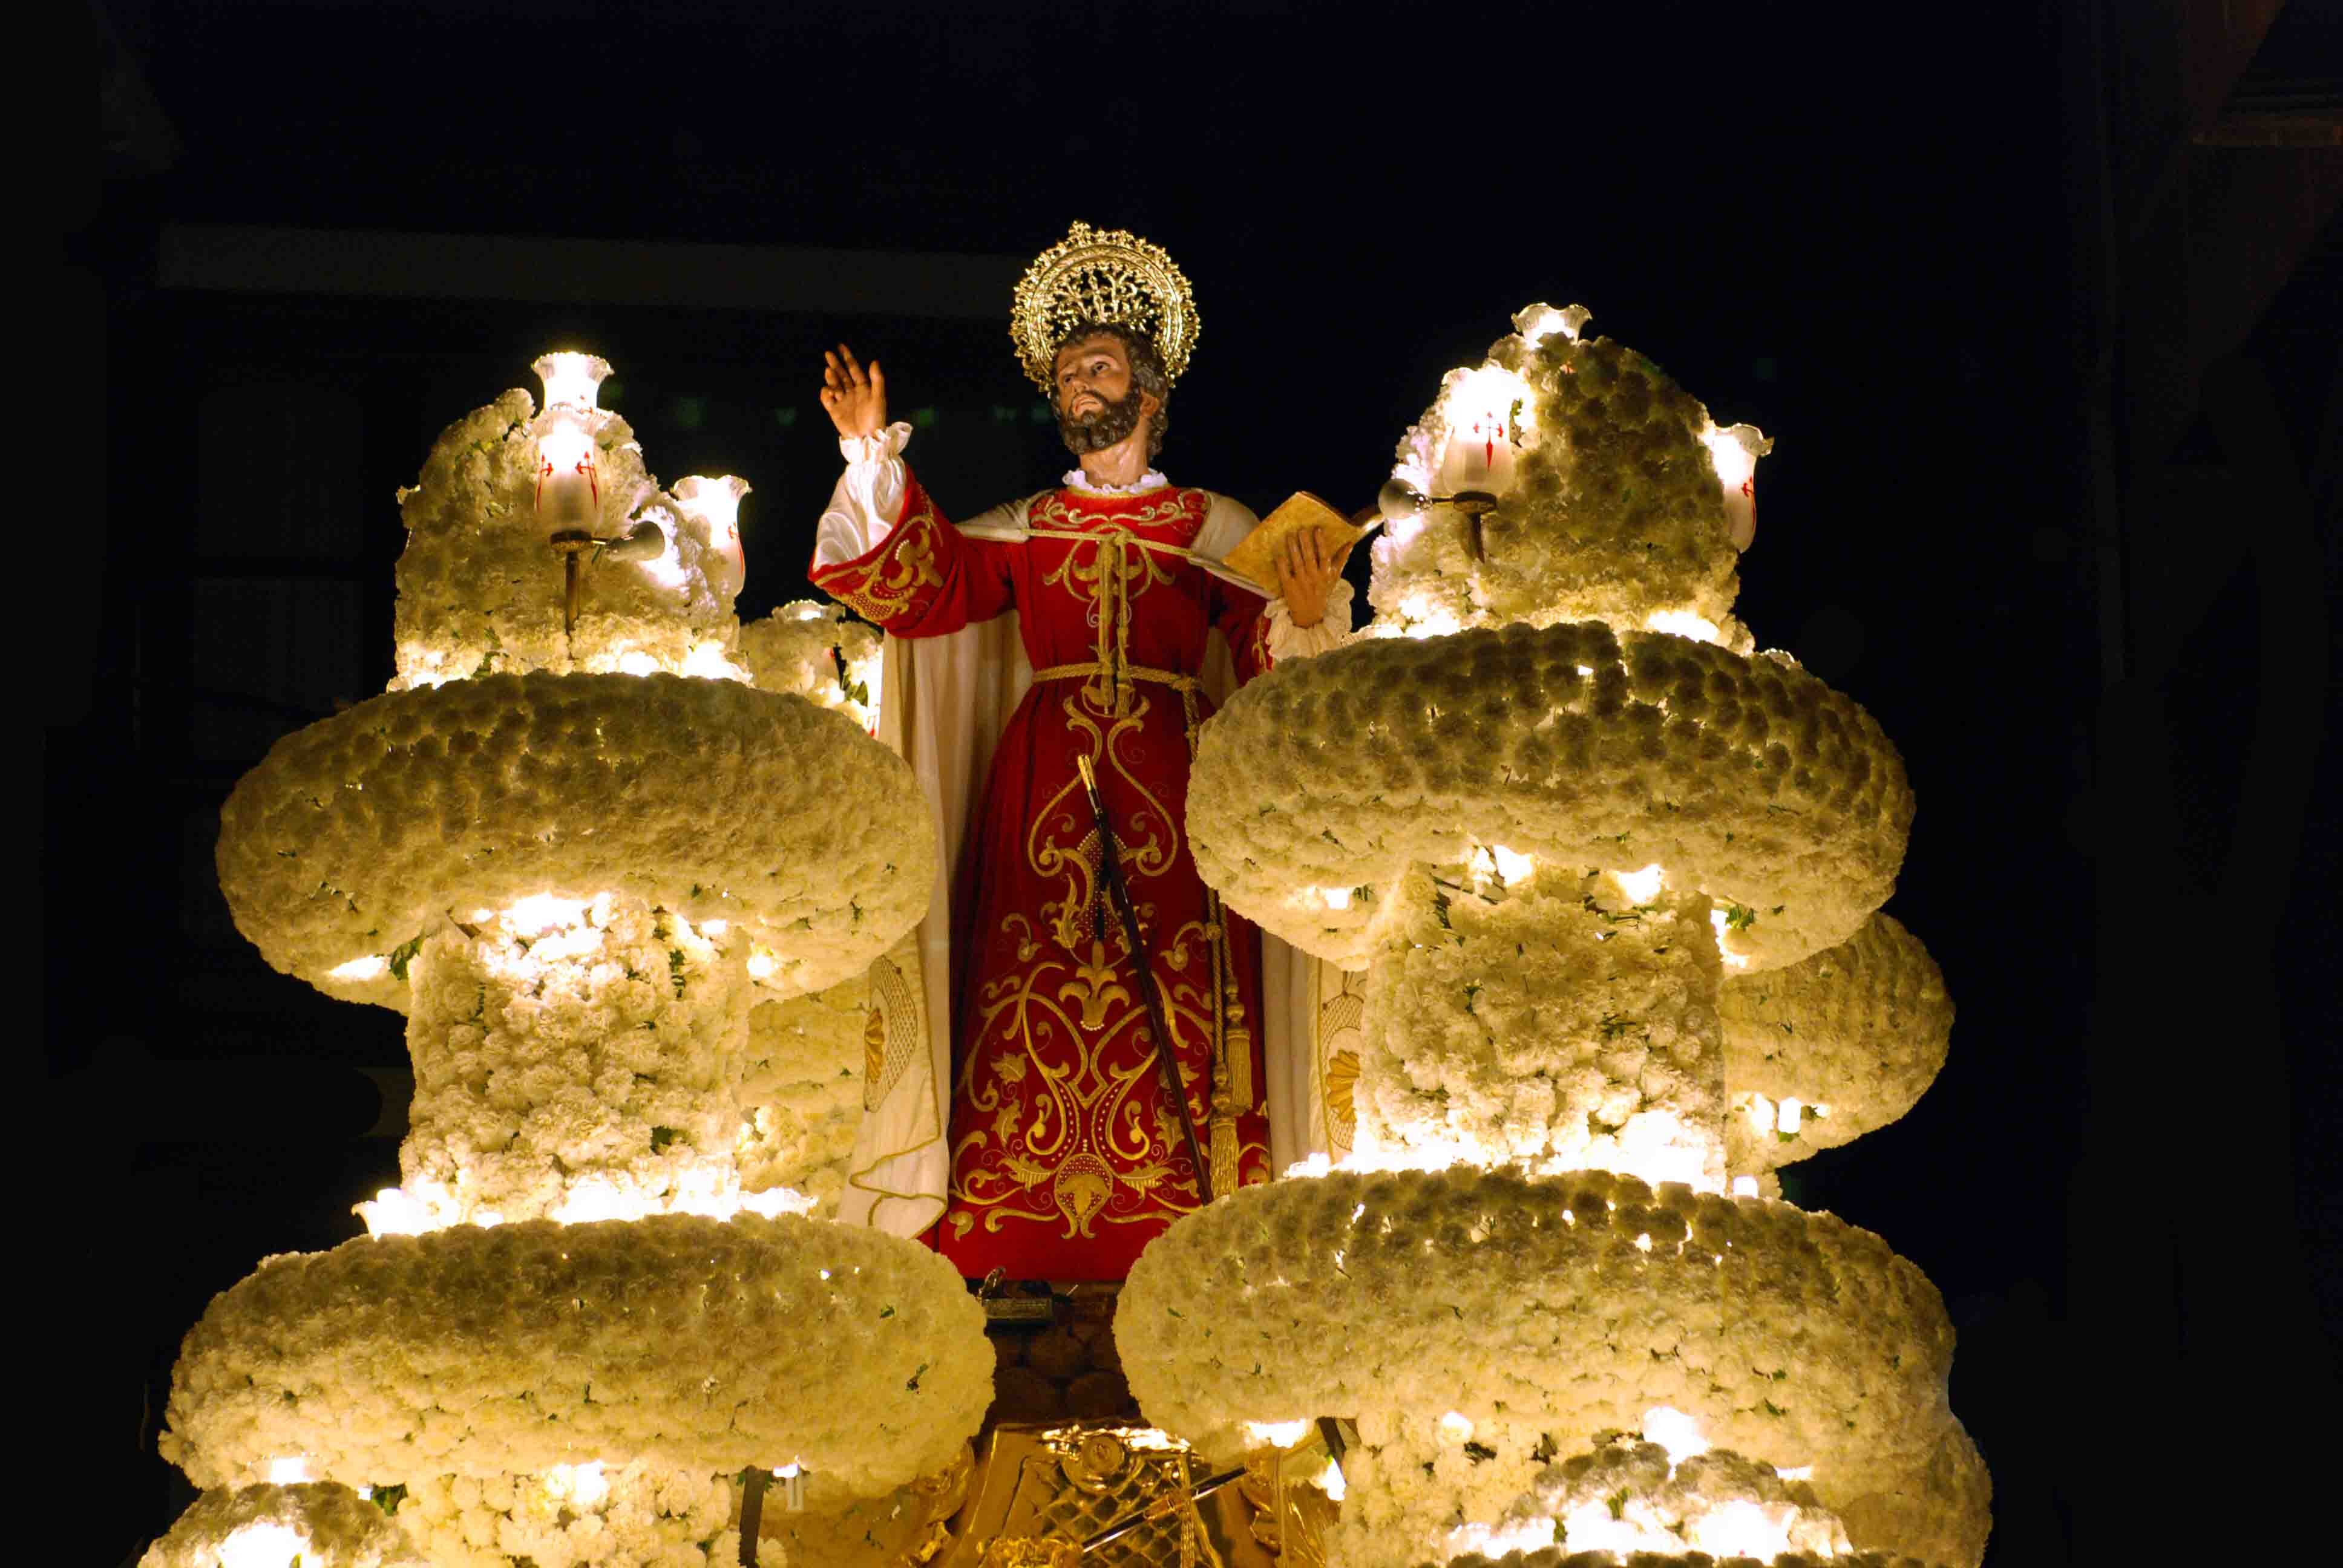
864	504
1287	641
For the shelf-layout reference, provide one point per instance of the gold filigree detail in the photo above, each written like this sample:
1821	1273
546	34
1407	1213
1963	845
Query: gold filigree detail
1102	274
889	585
1017	1551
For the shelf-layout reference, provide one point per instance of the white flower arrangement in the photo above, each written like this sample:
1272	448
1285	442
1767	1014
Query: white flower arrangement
594	1061
1562	1557
802	1090
1833	1047
1747	779
1555	1023
1537	1316
1609	504
316	1524
683	1342
1629	1496
357	836
635	1515
819	652
481	591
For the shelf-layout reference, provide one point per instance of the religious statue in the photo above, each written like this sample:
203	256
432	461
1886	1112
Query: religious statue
1092	621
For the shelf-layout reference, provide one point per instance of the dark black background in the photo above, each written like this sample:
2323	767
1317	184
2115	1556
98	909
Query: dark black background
1854	227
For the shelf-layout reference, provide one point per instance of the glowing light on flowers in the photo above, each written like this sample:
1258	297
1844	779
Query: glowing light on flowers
288	1472
762	964
1640	887
708	661
1512	866
1456	1427
1495	1542
540	913
1745	1186
1421	618
583	1484
1276	1433
1684	623
396	1212
264	1546
571	380
1333	898
1330	1480
634	661
1719	920
1788	1120
373	966
1674	1430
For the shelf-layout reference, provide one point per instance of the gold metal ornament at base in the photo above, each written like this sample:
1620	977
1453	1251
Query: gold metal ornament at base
1041	1489
1018	1552
1109	276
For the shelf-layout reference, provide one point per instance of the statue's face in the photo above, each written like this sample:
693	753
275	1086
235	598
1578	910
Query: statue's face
1092	375
1098	405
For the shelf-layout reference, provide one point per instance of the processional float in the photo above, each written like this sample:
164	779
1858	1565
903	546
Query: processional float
1613	877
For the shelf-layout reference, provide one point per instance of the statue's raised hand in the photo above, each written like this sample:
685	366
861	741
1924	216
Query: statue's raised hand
856	397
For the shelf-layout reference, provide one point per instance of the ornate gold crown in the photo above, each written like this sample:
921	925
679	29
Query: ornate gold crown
1111	275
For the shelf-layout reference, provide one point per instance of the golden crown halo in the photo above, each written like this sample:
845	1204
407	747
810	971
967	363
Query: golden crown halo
1110	276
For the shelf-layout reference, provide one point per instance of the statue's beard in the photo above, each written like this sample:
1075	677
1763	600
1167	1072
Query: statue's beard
1103	426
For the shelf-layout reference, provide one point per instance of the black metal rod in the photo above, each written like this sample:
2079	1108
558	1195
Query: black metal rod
752	1513
1110	863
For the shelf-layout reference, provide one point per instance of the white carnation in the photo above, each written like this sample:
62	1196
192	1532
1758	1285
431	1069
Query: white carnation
801	1092
481	591
687	1343
1614	511
312	1521
1833	1047
819	652
358	836
1747	779
1550	1312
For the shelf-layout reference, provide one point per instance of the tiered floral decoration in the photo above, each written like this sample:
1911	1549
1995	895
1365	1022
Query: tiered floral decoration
1613	878
578	845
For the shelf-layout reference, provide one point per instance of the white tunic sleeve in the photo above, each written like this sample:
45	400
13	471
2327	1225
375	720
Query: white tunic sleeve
869	496
1287	641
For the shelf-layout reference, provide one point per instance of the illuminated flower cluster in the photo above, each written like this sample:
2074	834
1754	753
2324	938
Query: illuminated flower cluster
819	652
1528	1318
595	1515
580	1066
1613	510
1629	1495
312	1523
481	591
1743	778
1833	1047
801	1092
367	831
1556	1023
685	1343
1563	1557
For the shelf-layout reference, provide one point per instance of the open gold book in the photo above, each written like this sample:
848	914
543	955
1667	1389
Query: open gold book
1256	555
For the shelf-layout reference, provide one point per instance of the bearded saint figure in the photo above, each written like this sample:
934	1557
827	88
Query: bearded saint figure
1086	620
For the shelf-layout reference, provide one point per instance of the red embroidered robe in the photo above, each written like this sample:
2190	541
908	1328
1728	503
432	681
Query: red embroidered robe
1066	1158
